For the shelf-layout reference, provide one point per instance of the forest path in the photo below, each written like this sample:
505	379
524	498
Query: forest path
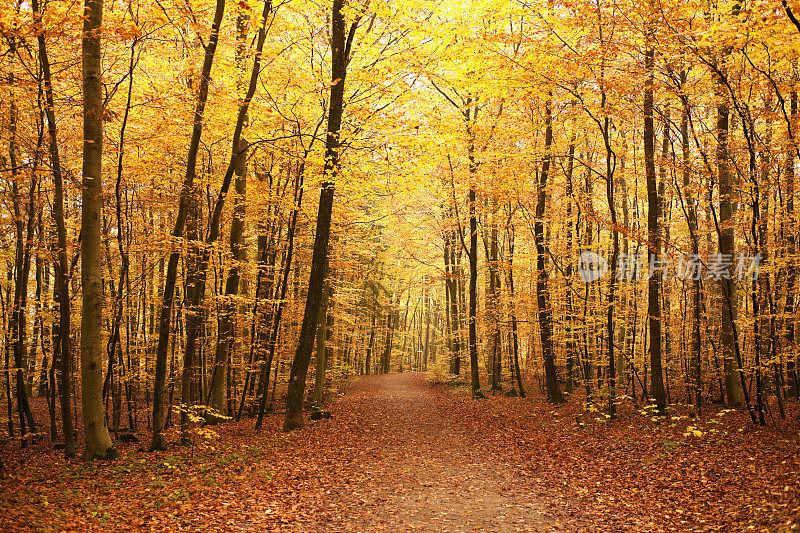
399	455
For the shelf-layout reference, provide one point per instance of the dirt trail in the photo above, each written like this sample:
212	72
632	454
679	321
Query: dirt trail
397	455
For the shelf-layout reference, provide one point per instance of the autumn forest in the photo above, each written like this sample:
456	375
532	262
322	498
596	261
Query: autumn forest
353	265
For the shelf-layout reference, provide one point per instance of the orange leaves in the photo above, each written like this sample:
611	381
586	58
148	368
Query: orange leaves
127	30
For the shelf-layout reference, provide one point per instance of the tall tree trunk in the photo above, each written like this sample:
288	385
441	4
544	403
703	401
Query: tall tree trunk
691	220
653	235
23	239
733	388
554	394
158	442
98	441
493	298
760	287
612	279
194	291
664	234
570	345
391	323
475	383
470	115
512	306
43	388
226	337
461	291
4	304
448	324
340	56
727	211
199	271
793	388
33	349
589	366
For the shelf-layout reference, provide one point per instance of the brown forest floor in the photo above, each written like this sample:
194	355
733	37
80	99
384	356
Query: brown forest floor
400	454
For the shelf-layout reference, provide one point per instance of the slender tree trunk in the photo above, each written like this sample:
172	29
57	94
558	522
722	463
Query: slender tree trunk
273	339
226	337
733	388
470	116
589	371
43	389
760	287
452	310
340	55
612	279
158	442
570	345
691	220
475	384
554	394
426	344
199	271
664	235
653	236
37	321
227	324
727	210
493	298
193	315
387	349
447	276
23	240
512	304
119	306
4	301
793	388
368	357
461	291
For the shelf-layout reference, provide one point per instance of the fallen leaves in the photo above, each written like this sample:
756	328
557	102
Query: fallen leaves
400	454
